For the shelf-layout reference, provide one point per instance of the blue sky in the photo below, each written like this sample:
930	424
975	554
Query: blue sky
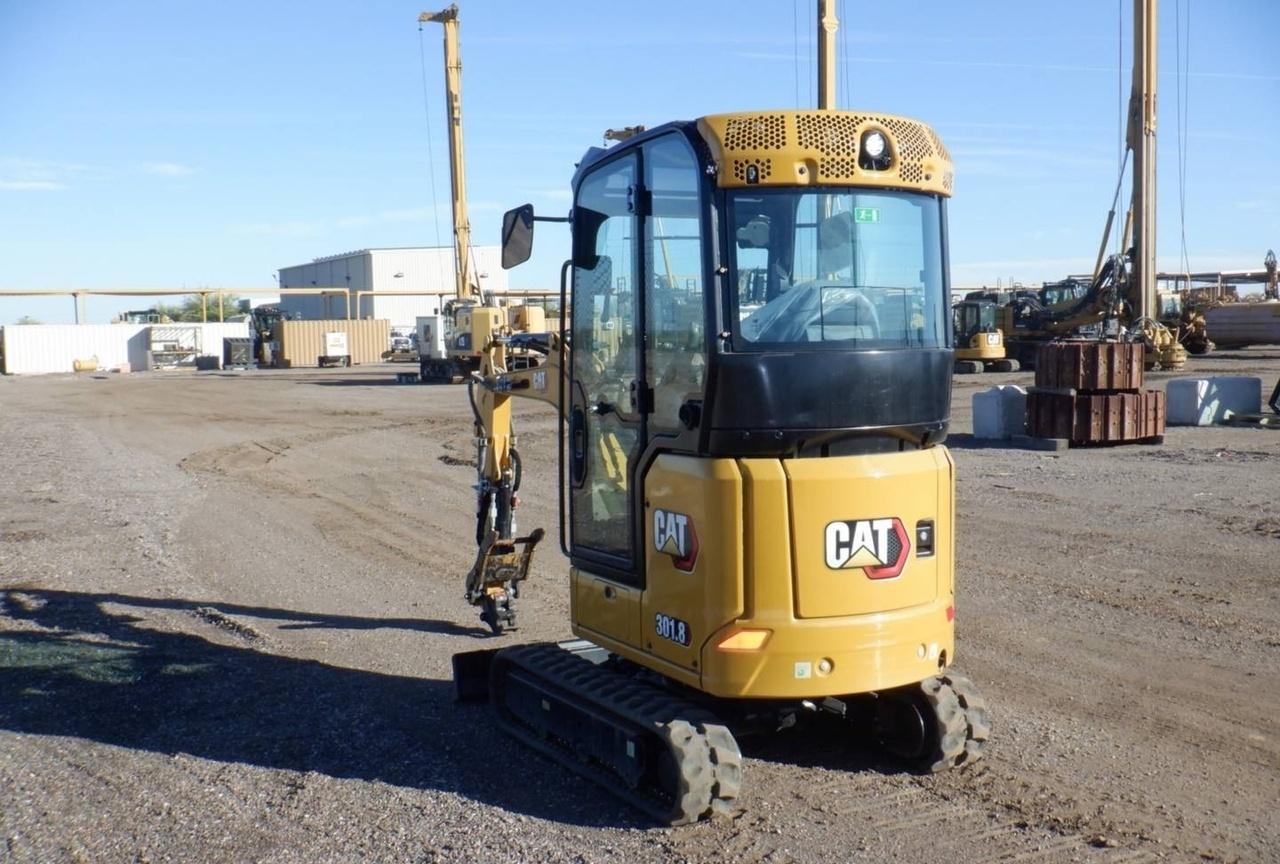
156	144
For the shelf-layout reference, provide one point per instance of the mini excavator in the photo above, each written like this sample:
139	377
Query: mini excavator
753	381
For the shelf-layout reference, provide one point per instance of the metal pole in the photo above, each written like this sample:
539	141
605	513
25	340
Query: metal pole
827	25
204	304
1142	141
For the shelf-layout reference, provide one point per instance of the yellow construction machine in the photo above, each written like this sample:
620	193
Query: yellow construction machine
1107	306
978	340
753	384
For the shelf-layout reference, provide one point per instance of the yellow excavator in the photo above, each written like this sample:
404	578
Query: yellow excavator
978	340
753	384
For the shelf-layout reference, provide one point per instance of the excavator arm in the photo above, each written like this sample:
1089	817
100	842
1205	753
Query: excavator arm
502	559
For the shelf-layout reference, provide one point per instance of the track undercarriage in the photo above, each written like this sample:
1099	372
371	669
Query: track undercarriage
666	751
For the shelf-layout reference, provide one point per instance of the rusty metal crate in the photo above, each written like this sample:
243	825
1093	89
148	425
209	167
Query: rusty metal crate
1090	366
1095	418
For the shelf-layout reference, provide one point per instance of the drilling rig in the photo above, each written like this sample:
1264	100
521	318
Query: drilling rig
1120	299
466	322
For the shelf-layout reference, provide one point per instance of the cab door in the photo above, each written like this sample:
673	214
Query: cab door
606	429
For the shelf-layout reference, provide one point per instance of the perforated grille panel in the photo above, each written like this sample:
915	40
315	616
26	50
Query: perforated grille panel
804	147
833	135
913	142
939	146
757	132
764	167
833	169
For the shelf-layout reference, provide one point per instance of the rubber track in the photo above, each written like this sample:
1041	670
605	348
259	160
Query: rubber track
962	725
706	756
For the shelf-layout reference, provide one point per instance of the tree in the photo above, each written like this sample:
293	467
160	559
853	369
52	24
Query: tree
27	319
189	308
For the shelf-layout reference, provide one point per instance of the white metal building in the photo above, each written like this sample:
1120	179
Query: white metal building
425	269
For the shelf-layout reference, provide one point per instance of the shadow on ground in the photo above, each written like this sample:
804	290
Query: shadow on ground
390	381
966	441
95	670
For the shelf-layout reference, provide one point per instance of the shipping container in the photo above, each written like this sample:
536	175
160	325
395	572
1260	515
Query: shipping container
40	349
301	343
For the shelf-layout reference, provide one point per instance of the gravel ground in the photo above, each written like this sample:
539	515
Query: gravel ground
228	603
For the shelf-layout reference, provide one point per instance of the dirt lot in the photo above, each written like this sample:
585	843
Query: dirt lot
228	602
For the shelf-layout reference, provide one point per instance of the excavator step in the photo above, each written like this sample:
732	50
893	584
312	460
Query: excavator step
659	753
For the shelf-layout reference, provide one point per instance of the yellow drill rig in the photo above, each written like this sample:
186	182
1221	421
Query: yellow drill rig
753	382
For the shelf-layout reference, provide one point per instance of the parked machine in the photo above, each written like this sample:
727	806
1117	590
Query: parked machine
756	503
1106	307
264	322
451	344
978	340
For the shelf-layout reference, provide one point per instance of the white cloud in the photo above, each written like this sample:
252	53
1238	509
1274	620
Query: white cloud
167	169
29	185
36	175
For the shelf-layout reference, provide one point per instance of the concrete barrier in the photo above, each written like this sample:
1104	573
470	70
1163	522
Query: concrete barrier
1000	412
1206	401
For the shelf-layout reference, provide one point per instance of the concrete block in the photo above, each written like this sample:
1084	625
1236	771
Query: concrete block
1027	442
1013	407
1207	401
1000	412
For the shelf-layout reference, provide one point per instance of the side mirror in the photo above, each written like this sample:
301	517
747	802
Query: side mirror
517	236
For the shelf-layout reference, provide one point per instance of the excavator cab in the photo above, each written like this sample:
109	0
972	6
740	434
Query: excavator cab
754	382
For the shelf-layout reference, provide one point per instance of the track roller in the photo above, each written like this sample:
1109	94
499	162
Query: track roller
937	724
657	752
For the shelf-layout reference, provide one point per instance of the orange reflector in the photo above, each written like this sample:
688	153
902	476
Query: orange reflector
744	640
951	614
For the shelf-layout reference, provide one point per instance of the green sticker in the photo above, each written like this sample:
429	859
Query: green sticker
866	214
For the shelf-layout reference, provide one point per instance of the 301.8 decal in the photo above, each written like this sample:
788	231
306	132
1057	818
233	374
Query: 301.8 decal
672	629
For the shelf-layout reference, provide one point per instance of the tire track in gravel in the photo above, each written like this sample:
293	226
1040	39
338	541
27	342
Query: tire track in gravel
289	468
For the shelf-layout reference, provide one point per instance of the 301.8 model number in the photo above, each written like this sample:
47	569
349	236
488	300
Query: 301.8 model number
672	629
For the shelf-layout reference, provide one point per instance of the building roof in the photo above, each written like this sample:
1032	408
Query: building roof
356	252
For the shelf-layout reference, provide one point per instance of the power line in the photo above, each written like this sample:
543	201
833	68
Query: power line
844	65
795	38
431	156
1120	114
813	56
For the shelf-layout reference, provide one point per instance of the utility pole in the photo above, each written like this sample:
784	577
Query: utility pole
1141	140
827	25
457	173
